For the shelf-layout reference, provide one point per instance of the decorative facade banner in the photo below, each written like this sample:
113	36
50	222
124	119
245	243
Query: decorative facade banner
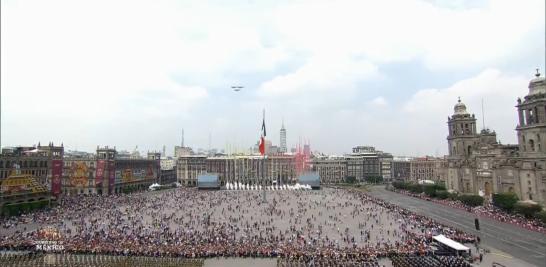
101	164
79	174
111	176
150	172
56	174
127	175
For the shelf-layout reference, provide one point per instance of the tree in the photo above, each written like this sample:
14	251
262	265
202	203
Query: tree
505	201
542	216
471	200
430	190
442	194
527	209
350	179
415	188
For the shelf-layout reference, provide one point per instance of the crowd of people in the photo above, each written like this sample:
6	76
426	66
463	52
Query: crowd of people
487	210
323	224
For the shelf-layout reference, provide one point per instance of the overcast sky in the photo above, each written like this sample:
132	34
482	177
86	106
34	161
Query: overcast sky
341	73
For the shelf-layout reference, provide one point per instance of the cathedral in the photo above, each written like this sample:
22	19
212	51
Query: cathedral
479	164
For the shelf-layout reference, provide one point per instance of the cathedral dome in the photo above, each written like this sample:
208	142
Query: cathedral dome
537	85
460	108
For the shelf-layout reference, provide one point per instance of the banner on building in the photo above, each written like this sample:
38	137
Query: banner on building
99	176
56	174
111	176
79	174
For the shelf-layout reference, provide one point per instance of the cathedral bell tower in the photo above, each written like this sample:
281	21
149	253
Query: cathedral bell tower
462	137
532	119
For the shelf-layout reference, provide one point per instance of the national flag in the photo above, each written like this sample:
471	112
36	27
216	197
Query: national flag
262	137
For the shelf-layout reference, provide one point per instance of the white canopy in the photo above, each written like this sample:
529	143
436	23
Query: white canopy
450	243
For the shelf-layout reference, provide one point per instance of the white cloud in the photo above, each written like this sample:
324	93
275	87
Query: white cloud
425	113
76	70
379	101
392	31
320	75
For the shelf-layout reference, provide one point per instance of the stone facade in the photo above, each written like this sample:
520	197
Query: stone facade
116	174
428	168
364	163
32	160
477	162
331	171
244	169
400	169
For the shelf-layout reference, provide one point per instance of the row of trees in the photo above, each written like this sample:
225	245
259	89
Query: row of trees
368	179
509	202
439	191
24	207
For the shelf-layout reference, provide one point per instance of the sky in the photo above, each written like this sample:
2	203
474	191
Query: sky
338	73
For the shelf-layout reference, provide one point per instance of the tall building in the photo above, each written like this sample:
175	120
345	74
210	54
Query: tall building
477	162
283	148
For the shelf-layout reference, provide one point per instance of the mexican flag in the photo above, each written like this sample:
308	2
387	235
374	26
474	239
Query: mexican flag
262	137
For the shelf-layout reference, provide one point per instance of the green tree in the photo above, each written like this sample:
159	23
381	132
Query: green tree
527	209
442	194
430	190
471	200
350	179
542	216
505	201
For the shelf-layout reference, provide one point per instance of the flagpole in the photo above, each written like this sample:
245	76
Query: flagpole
264	165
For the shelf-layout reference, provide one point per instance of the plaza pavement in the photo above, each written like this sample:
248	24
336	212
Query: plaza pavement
503	238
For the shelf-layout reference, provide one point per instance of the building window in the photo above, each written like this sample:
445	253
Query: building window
531	145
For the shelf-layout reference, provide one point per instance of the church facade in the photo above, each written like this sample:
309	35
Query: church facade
479	164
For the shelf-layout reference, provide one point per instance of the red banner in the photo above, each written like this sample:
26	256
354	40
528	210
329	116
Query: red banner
56	175
111	176
99	175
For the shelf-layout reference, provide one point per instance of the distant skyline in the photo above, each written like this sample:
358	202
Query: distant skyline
340	73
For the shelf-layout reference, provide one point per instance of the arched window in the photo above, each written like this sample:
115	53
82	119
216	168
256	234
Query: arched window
531	145
469	150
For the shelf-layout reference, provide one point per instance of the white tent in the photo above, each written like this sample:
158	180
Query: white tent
154	186
451	243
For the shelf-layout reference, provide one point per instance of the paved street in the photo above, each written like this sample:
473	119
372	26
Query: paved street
521	243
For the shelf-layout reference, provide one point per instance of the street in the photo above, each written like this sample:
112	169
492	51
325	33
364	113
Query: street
521	243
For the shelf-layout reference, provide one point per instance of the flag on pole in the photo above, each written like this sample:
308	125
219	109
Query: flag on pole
262	137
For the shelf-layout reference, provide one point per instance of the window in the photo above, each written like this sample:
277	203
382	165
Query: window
531	145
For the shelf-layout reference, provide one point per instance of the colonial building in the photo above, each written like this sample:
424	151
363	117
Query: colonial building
477	162
257	170
401	169
106	173
33	160
189	167
363	163
330	170
428	168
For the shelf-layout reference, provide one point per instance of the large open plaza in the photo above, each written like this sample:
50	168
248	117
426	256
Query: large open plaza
189	223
